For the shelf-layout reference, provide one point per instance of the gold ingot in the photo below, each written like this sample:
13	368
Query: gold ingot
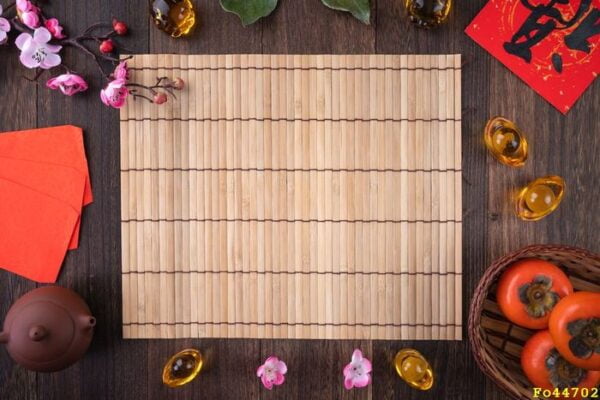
174	17
414	369
505	141
540	197
182	368
428	13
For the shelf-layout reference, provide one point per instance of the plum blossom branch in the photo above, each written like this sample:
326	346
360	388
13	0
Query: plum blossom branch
119	88
42	38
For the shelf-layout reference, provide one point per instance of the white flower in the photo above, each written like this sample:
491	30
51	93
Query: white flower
36	51
4	28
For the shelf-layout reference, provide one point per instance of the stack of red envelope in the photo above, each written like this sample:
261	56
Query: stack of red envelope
44	184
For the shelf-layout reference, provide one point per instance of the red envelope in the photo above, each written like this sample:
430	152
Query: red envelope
554	46
60	145
62	183
35	230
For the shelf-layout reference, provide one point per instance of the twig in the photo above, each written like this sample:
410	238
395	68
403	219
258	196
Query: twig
19	26
94	26
8	7
81	47
135	96
163	83
75	42
150	88
99	38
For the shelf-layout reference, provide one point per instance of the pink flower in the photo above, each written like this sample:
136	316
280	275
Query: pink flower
121	71
4	28
36	51
55	29
25	5
68	84
272	372
115	93
357	373
28	13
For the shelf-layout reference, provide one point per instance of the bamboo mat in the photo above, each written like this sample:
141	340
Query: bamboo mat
286	196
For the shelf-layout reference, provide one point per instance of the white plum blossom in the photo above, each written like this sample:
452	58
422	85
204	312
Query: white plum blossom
36	52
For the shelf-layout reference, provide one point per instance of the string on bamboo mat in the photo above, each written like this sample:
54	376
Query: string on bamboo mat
294	196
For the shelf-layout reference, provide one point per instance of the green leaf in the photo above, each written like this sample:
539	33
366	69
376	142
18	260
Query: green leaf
361	9
249	11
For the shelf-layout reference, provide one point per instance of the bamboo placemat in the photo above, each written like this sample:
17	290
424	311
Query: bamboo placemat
286	196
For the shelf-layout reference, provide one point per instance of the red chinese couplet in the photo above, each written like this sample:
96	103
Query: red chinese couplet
553	45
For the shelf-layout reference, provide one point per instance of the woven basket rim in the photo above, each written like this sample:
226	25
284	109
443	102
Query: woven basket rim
489	277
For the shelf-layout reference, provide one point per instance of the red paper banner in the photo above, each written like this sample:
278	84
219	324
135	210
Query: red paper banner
553	45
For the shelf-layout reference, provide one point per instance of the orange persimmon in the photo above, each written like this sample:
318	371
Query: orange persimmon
575	329
547	369
529	289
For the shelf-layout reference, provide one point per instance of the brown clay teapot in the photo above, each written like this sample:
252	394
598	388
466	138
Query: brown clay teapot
48	329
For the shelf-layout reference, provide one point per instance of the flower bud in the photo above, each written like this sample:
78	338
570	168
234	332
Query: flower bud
178	84
120	27
160	98
107	46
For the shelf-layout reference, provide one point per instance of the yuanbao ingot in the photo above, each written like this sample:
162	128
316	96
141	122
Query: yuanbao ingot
414	369
539	198
428	13
176	18
505	141
182	368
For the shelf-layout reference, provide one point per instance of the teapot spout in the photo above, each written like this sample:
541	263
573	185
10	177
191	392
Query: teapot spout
3	337
87	322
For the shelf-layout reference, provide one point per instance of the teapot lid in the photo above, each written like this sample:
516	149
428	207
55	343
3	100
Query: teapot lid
48	329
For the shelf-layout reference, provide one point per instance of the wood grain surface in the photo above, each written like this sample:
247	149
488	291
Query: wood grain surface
121	369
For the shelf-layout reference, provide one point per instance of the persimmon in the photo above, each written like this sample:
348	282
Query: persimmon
547	369
528	291
575	329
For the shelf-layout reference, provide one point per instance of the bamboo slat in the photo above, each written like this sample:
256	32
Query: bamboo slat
288	196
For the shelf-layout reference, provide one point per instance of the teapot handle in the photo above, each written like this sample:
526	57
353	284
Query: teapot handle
3	337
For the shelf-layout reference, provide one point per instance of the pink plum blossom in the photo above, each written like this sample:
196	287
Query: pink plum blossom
121	71
68	84
28	13
272	372
358	372
36	51
25	5
115	93
55	28
4	28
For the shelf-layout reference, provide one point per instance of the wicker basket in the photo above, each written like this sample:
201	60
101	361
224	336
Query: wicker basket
496	343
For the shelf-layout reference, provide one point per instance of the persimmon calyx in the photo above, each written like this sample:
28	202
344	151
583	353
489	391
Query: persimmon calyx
538	296
585	339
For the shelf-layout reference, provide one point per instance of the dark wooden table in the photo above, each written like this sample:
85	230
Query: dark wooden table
119	369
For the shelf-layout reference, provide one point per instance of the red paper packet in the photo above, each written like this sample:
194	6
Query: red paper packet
60	145
35	231
62	183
